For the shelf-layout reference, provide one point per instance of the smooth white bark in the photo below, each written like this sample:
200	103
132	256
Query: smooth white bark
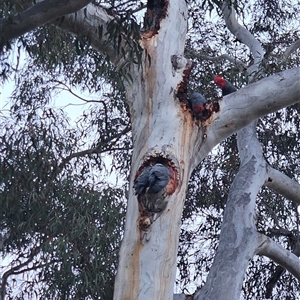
278	254
238	238
147	265
239	109
283	185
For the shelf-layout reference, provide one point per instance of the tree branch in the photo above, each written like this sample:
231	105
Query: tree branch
273	280
283	185
242	34
78	17
291	49
280	270
37	15
270	94
238	233
278	254
16	270
94	150
224	57
92	22
239	109
68	89
249	147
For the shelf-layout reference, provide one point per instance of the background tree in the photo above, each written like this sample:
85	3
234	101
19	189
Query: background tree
61	220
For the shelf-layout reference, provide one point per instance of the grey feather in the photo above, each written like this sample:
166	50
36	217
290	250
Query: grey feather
153	178
197	99
159	177
142	182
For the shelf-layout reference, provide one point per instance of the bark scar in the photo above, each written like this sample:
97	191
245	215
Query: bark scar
156	12
182	87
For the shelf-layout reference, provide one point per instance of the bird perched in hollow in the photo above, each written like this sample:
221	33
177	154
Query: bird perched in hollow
152	180
197	102
142	182
225	85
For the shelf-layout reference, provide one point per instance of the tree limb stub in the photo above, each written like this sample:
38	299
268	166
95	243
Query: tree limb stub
180	63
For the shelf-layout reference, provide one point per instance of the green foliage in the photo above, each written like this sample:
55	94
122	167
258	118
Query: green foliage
55	214
79	63
125	32
59	217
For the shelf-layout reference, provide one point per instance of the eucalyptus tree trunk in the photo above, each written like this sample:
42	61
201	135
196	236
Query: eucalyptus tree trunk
239	239
162	131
